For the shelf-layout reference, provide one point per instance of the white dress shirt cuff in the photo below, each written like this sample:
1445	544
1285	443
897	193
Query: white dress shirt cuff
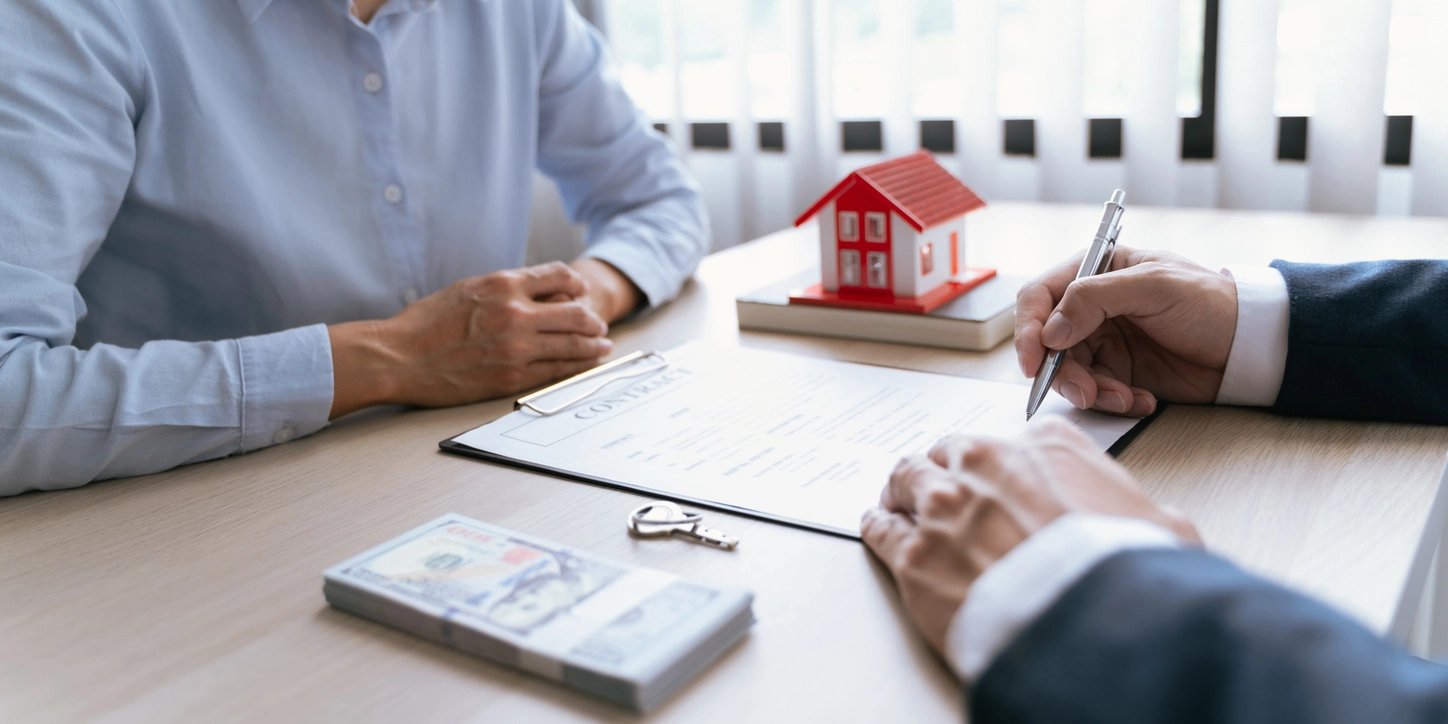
1014	592
1259	347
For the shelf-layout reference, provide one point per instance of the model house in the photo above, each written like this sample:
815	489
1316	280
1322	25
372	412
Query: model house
892	236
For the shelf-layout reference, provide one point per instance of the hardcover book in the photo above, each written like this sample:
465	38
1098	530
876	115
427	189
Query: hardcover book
976	321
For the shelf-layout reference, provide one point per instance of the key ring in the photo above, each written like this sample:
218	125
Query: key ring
677	517
664	519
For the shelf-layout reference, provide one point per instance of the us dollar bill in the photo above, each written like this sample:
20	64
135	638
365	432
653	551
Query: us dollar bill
622	631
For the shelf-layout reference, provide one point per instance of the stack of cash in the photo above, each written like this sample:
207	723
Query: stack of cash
628	634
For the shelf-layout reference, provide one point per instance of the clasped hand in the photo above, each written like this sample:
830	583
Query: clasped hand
480	338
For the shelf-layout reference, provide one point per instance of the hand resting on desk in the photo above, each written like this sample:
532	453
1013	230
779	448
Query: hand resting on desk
1059	592
481	338
947	517
1156	325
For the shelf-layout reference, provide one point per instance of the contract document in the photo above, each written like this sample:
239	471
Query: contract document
804	441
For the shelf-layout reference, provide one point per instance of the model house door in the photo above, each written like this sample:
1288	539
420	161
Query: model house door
877	272
874	276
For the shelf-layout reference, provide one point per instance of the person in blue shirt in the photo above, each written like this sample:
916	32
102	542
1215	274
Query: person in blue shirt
225	223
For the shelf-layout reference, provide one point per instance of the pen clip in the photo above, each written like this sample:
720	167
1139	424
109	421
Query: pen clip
1109	251
1114	209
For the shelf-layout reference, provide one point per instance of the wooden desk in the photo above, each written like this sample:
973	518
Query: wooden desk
195	595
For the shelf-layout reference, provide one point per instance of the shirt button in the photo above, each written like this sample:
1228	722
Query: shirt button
393	193
372	82
283	434
410	296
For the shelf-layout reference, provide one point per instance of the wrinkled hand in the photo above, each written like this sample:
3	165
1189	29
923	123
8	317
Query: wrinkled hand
479	338
610	294
1156	325
947	517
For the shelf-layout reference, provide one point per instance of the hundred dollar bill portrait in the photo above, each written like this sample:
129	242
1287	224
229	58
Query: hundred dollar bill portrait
549	588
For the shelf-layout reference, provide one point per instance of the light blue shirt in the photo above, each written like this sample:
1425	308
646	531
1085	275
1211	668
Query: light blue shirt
191	189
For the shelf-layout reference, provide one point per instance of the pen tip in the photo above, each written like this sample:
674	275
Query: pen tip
1028	417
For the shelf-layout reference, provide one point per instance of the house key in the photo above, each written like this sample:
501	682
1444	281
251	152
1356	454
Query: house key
662	519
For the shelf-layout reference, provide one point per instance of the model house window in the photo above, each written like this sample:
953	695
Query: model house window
927	259
850	268
849	226
875	226
877	270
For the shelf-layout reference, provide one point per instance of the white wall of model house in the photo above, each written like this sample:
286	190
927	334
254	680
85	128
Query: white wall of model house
910	280
829	249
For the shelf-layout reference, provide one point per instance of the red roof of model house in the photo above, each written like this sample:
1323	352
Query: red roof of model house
921	190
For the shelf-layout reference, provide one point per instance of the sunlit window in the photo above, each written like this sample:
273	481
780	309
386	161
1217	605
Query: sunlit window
862	81
1016	86
768	61
935	60
636	33
1106	63
1107	58
1191	44
705	75
860	68
1406	41
1299	33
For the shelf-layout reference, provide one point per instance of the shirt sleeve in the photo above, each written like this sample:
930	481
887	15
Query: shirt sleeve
643	210
1259	346
1014	592
75	85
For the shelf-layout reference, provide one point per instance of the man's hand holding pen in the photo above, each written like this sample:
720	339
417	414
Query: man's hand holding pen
1156	326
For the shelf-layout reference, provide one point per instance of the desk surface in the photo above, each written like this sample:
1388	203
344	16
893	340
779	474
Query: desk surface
196	594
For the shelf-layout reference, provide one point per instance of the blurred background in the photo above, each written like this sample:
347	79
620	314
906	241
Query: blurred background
1294	105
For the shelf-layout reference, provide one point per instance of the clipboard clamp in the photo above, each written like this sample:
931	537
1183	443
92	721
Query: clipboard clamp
530	401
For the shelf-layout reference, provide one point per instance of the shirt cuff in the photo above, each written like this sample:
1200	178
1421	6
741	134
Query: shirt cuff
658	284
1014	592
286	385
1259	346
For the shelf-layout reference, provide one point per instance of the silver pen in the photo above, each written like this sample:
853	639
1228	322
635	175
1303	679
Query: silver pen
1097	261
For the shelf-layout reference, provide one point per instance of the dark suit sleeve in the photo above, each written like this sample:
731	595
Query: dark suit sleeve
1367	341
1183	637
